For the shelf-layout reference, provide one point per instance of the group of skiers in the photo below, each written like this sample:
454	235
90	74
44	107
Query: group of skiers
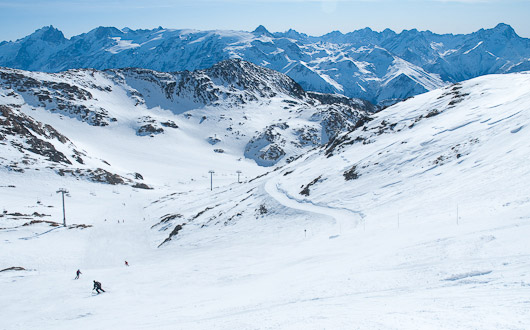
97	285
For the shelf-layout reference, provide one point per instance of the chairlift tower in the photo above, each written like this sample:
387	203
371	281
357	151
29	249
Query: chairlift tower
63	191
211	179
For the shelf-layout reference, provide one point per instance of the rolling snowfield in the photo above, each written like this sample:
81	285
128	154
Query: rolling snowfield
419	219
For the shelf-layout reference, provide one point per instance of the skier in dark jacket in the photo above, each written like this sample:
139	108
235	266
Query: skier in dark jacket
97	287
77	274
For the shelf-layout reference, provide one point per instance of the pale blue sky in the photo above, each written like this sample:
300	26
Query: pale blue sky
19	18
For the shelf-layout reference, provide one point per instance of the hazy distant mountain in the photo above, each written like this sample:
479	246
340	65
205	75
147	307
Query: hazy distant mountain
378	66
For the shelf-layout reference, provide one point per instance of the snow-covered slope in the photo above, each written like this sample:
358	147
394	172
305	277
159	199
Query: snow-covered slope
233	109
417	219
462	144
381	67
424	209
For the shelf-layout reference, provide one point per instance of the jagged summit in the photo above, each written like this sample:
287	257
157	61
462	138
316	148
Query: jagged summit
231	81
265	113
102	32
506	30
333	34
254	78
262	31
504	27
48	34
293	34
333	63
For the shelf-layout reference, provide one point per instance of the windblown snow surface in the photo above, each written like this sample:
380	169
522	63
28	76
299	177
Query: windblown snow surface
417	220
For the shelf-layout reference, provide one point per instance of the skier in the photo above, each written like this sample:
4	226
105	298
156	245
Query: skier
77	274
126	263
97	287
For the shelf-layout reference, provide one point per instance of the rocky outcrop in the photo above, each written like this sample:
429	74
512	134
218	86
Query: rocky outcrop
42	146
31	137
91	96
57	94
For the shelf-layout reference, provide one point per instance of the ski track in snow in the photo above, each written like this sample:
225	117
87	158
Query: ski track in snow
444	249
344	218
40	234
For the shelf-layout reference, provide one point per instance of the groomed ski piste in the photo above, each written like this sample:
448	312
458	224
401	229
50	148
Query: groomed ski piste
418	220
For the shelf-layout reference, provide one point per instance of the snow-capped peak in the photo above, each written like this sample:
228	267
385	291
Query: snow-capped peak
311	61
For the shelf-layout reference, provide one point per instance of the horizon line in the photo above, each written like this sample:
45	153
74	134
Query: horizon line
267	30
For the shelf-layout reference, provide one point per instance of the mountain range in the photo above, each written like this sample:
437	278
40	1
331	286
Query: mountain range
226	180
382	67
235	109
416	217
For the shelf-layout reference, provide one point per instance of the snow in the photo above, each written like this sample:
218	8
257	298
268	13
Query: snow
387	250
472	49
332	82
429	82
433	58
122	45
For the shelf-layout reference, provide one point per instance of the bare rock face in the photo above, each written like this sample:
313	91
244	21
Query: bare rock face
236	83
229	84
269	147
27	135
61	97
148	127
266	148
38	145
213	140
